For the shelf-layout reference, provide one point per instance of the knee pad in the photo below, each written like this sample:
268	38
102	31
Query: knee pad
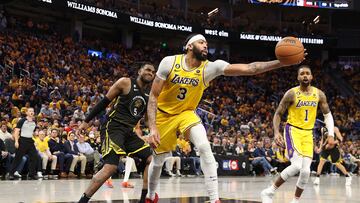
293	169
303	178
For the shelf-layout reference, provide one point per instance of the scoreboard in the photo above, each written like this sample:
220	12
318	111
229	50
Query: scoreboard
344	4
333	4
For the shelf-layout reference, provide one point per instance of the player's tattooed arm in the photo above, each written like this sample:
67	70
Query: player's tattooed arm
152	105
251	68
285	102
324	106
154	136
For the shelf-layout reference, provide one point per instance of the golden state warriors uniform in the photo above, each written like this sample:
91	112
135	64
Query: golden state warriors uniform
333	154
118	132
177	102
300	123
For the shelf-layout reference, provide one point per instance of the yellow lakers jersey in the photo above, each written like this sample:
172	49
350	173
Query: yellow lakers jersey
183	89
302	113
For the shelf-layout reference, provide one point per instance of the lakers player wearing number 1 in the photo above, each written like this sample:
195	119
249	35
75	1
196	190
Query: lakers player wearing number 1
301	102
176	92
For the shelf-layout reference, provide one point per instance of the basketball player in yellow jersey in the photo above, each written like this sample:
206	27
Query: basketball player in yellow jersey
176	92
302	103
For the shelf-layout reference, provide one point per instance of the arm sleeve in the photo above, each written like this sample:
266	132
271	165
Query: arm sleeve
97	109
165	67
214	69
329	121
20	123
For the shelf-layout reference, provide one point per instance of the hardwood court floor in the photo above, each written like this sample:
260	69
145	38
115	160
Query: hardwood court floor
232	189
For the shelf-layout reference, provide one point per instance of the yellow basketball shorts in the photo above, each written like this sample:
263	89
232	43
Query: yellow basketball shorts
298	140
168	125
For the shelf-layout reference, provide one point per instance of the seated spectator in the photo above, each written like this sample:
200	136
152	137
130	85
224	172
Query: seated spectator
45	112
90	154
57	148
239	148
269	153
280	160
350	161
55	94
186	160
193	154
358	161
4	158
230	148
71	148
169	165
10	146
42	145
79	114
258	159
4	134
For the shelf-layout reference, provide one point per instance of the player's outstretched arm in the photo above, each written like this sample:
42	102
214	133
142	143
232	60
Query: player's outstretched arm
328	118
154	138
285	102
251	68
256	67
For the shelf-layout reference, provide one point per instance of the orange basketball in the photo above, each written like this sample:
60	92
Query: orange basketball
289	50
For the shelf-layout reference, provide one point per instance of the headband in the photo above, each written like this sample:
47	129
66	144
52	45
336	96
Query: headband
195	38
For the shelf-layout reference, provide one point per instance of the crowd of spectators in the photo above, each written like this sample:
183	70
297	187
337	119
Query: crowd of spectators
58	77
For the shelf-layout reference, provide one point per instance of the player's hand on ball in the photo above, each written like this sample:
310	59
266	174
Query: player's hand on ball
154	138
279	140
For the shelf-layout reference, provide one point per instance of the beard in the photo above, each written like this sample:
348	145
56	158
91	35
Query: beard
198	55
305	84
144	80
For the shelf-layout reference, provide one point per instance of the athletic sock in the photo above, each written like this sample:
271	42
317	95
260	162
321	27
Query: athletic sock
273	188
84	199
143	195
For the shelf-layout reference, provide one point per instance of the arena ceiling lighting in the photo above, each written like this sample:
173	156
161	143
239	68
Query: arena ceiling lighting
213	12
316	19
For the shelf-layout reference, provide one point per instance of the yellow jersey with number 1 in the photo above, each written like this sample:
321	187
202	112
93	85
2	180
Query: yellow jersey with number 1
183	89
302	113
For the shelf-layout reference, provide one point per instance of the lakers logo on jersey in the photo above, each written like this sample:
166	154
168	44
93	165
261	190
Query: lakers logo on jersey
306	103
184	80
183	88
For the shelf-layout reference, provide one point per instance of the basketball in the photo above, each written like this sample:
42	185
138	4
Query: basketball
289	50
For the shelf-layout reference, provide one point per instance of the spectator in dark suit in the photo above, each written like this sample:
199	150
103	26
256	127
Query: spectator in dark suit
4	158
71	148
57	148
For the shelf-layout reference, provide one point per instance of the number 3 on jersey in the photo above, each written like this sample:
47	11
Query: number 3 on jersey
182	94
